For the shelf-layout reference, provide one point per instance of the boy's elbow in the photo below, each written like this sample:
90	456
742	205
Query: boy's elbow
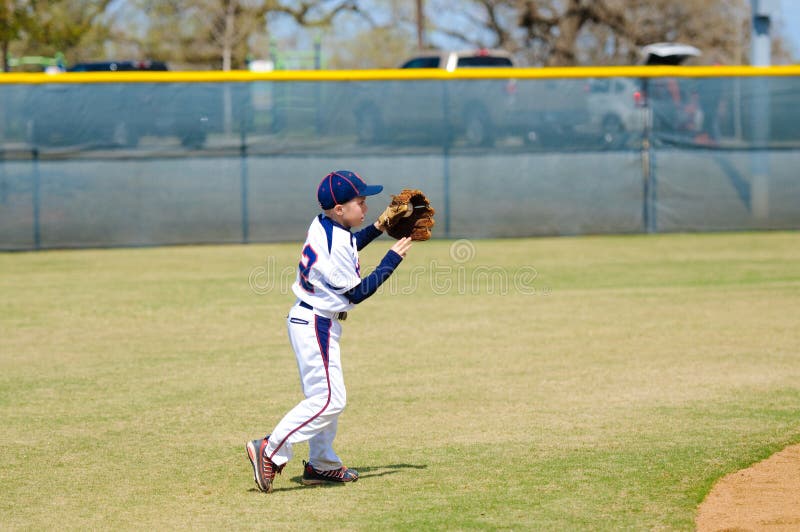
355	296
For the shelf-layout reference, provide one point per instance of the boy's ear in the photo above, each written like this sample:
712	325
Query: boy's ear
338	209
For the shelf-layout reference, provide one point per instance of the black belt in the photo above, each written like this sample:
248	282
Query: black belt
339	315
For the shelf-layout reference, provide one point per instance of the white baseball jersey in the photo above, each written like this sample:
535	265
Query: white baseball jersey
328	266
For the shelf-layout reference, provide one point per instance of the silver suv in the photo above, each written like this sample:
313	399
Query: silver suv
618	107
476	110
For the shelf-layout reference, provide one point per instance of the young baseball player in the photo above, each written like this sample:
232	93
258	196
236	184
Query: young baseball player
327	286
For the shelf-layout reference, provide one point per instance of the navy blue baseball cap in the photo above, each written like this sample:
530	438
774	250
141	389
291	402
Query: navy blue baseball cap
341	186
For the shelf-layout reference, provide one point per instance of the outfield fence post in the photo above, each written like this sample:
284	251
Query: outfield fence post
653	200
446	139
243	183
648	168
3	181
37	233
759	156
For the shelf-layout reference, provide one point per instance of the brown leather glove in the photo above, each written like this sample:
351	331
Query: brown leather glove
412	216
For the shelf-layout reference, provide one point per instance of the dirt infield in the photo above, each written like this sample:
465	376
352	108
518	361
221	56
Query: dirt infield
762	497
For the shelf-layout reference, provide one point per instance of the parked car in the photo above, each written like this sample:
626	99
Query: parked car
464	59
477	110
667	53
616	109
673	102
119	66
110	114
619	107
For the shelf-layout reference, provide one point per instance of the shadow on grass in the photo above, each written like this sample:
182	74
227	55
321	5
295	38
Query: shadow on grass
379	471
363	473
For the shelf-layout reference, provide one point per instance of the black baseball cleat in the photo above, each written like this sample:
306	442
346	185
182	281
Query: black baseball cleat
263	469
312	476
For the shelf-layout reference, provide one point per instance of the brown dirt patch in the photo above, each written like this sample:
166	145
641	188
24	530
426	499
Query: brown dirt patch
765	496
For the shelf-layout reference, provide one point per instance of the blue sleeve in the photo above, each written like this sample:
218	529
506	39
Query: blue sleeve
366	235
369	284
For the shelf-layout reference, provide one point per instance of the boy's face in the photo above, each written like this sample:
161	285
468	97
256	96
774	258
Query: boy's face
354	211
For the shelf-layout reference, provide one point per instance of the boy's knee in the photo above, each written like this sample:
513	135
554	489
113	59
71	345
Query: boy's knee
337	404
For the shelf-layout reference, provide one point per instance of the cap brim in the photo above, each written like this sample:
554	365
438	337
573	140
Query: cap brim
371	190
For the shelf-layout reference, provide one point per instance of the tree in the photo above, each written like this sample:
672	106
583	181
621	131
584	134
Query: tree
481	23
360	51
77	28
718	28
602	32
217	33
560	31
222	33
200	32
15	17
378	36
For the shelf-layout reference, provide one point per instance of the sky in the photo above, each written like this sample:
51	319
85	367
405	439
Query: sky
790	22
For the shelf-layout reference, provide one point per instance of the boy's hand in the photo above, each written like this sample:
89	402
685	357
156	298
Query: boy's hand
402	246
394	211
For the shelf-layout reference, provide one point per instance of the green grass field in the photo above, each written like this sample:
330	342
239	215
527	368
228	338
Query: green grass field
597	383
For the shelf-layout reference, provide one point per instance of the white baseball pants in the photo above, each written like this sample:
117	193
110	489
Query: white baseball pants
315	340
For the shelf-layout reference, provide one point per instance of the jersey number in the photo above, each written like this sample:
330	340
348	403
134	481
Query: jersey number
307	260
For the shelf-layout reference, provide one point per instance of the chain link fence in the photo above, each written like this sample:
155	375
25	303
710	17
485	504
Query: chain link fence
167	160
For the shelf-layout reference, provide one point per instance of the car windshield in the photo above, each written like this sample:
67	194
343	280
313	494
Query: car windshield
422	62
484	61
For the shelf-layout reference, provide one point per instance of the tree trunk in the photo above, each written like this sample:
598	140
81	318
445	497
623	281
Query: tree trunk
6	66
227	53
421	24
227	37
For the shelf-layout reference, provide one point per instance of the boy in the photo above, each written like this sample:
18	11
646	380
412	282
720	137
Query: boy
328	284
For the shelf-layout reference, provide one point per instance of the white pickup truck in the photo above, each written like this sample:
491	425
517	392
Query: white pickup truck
474	111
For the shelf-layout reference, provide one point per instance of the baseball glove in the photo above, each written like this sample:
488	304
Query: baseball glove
416	220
